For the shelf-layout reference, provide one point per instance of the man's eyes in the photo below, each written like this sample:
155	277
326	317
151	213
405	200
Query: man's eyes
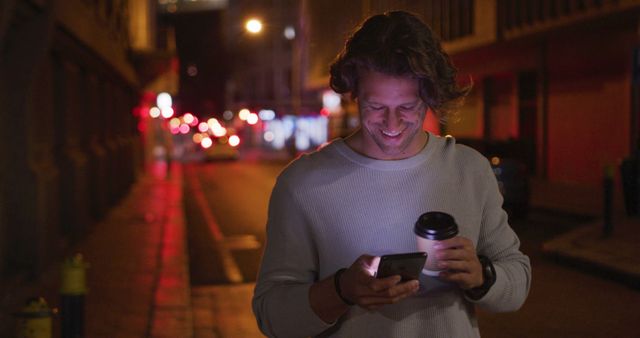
401	108
407	108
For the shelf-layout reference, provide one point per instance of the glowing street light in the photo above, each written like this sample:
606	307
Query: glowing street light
206	142
252	118
234	140
188	118
243	114
167	112
163	100
154	112
203	127
289	32
253	26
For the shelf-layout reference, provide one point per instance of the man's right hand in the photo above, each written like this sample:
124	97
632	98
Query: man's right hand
360	286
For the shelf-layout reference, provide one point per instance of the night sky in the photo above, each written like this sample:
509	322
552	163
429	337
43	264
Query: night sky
200	46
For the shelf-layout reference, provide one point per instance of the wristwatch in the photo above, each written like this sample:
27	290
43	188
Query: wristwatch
489	277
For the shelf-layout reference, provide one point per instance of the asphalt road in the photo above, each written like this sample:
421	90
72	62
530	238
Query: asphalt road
237	194
564	301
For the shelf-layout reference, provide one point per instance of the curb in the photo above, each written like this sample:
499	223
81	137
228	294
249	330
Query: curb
613	257
172	314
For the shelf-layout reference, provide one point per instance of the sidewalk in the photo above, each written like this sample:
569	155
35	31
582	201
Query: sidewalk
616	256
138	278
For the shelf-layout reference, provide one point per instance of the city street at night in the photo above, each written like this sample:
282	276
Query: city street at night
142	141
564	301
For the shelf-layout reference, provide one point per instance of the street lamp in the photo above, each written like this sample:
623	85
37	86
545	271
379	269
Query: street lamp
281	29
289	32
253	26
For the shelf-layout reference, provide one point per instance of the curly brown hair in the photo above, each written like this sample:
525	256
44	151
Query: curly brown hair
399	43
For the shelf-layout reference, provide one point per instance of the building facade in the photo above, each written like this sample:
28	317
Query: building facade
553	78
70	143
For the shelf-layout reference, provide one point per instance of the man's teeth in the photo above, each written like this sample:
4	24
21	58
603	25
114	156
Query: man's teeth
391	133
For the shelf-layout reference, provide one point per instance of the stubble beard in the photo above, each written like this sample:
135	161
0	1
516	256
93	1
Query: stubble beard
408	136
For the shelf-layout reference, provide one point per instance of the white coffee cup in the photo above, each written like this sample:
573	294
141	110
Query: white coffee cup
430	228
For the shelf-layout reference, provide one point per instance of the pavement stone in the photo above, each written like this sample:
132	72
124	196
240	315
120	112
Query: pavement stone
616	256
224	311
139	278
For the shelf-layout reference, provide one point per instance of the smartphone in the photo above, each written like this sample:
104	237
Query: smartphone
407	265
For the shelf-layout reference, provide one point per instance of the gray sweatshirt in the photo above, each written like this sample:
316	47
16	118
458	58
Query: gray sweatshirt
331	206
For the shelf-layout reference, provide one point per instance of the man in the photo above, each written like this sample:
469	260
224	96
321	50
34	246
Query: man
335	211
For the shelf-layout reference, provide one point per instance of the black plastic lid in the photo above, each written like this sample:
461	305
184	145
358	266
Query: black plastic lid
436	225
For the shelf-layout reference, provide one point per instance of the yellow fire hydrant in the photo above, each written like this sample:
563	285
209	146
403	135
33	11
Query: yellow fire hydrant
34	320
72	291
74	276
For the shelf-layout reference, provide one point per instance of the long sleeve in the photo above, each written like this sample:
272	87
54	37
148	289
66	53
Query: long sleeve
331	206
500	243
289	268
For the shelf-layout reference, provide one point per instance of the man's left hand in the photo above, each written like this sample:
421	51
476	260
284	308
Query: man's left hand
458	258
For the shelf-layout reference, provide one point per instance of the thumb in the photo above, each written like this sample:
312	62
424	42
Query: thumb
369	263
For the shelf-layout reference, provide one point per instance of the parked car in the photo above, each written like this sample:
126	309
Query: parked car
221	151
510	171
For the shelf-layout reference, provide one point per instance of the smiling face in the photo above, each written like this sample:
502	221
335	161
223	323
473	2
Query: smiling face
391	117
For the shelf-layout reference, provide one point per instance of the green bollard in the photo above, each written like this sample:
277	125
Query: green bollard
72	293
34	319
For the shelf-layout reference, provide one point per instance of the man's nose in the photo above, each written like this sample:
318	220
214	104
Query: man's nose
392	119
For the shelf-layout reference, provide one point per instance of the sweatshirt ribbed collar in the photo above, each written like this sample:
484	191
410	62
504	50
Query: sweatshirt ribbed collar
343	149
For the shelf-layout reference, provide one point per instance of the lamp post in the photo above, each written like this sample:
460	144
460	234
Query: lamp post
254	26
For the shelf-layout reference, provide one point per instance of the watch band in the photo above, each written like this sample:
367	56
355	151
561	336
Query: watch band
489	277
